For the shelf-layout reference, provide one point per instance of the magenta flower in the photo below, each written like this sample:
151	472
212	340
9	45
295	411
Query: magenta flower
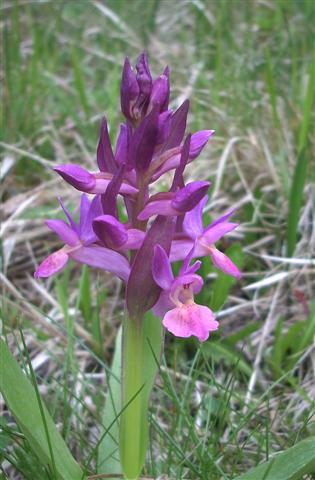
81	244
204	239
150	143
181	315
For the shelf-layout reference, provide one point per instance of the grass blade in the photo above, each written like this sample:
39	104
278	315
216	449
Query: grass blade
292	464
299	176
22	401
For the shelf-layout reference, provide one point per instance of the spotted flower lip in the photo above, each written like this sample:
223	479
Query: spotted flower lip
190	320
181	315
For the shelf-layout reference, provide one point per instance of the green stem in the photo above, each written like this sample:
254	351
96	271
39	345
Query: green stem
141	347
133	428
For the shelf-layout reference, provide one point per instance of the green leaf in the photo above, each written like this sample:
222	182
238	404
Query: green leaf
291	464
108	452
20	396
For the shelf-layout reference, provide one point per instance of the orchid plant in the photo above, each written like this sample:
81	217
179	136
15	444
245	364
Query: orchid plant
162	228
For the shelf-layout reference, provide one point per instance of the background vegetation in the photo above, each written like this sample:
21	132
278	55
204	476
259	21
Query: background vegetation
249	68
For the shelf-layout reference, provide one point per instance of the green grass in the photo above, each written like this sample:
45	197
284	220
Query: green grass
249	67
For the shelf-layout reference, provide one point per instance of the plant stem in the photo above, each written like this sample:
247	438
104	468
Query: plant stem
133	427
141	351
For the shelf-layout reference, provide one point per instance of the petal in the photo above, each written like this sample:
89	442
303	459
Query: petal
160	91
142	291
105	156
169	164
109	198
102	181
189	320
193	220
84	209
110	231
144	77
185	268
178	181
177	126
157	207
77	176
188	197
166	73
163	126
180	249
135	238
64	232
223	262
52	264
121	152
92	210
195	281
74	226
129	89
143	141
222	219
161	268
104	258
198	141
214	234
163	304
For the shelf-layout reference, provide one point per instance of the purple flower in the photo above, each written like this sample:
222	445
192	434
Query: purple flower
139	93
204	239
181	315
87	182
80	244
150	143
114	234
175	203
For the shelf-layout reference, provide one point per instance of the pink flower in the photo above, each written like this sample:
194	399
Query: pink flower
187	318
190	319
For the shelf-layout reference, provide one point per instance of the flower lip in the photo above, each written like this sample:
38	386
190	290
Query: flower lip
191	282
190	320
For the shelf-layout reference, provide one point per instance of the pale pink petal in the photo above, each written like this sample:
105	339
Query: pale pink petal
215	233
52	264
180	249
223	262
193	220
161	268
189	320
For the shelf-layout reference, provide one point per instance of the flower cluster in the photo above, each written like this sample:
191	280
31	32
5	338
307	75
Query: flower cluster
162	228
